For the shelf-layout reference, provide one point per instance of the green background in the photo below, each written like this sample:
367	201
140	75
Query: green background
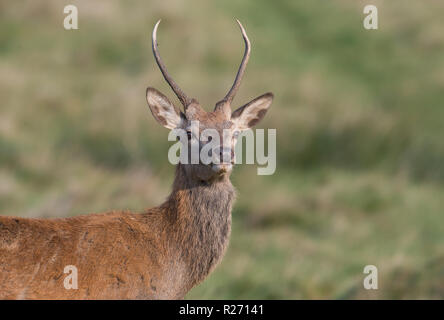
359	117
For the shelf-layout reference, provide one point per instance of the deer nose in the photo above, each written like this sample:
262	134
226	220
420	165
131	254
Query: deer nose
226	155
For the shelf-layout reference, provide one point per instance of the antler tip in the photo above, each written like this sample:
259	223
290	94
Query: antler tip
179	93
155	29
240	73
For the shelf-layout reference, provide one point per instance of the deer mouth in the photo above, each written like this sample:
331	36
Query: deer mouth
222	168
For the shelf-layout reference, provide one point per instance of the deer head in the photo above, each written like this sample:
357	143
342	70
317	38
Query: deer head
226	123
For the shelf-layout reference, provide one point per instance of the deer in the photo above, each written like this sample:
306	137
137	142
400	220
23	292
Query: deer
159	253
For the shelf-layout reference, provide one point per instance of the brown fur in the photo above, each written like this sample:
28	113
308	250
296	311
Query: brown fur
158	254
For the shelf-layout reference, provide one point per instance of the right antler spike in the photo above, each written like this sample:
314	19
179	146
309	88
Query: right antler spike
179	93
240	73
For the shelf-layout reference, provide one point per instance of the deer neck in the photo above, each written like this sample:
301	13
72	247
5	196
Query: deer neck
200	217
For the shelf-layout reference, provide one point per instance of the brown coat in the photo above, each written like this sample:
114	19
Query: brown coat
157	254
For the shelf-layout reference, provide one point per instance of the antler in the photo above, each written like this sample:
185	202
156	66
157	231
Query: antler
179	93
240	73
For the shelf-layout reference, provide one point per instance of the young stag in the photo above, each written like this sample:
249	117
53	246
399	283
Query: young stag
160	253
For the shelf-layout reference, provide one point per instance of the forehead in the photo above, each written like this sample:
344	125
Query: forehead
210	120
214	122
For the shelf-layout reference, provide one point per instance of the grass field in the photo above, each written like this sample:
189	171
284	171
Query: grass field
359	117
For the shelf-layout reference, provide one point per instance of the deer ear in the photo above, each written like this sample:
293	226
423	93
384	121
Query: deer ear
250	114
163	110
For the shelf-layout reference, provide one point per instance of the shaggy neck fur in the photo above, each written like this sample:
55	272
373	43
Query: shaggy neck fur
200	217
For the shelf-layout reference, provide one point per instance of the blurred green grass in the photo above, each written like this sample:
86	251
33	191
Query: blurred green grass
358	113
